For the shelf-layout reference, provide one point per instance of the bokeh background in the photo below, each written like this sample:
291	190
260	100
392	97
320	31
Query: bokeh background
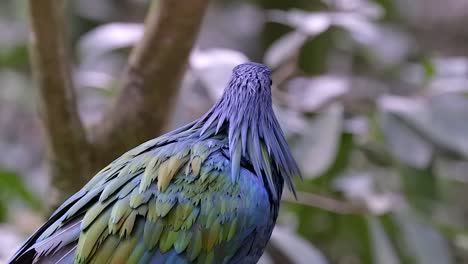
372	94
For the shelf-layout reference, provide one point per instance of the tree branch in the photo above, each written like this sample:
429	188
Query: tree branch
325	203
149	88
68	147
152	79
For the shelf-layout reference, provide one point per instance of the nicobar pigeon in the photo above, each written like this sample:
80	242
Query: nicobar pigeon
208	192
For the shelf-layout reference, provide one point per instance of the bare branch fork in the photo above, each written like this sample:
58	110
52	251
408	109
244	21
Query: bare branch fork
69	151
148	88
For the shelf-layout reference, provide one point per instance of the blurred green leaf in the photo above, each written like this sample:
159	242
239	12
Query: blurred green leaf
423	243
309	23
284	48
108	38
316	149
420	186
404	143
429	68
109	92
11	185
318	49
439	119
310	95
338	236
14	57
383	251
3	210
339	165
377	154
288	243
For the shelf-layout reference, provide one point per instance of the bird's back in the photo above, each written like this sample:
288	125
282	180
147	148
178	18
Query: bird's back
170	200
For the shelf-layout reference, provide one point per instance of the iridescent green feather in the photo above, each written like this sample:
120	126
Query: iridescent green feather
174	198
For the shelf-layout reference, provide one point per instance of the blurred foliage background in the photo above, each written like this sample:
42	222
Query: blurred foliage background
372	94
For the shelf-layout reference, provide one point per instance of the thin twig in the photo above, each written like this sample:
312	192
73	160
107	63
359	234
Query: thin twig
325	203
152	79
68	148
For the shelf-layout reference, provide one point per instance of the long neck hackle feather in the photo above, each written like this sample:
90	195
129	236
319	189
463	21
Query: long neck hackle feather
245	112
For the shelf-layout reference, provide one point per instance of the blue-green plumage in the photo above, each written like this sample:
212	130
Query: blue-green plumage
205	193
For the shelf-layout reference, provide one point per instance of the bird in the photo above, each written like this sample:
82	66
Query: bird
207	192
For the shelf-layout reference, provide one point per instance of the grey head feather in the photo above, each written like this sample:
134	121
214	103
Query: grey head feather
245	111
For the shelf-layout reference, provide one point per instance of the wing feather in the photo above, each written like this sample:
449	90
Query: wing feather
176	202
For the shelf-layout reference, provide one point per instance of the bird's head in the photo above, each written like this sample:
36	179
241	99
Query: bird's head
251	79
246	98
246	114
252	70
248	92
